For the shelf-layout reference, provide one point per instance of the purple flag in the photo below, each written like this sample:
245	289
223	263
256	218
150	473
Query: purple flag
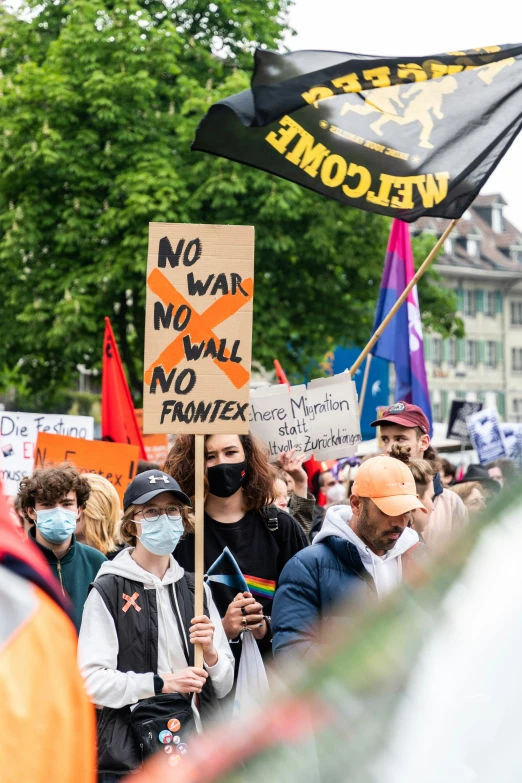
401	342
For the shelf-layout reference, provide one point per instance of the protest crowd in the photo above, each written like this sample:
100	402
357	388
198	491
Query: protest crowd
126	579
164	580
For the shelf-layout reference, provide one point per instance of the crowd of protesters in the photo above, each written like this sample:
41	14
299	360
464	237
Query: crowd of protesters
300	536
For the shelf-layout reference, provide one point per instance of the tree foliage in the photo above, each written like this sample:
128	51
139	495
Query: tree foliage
99	102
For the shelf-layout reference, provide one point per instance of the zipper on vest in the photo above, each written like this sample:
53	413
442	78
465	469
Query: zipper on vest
59	567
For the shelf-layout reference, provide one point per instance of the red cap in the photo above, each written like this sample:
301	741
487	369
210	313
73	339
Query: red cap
406	415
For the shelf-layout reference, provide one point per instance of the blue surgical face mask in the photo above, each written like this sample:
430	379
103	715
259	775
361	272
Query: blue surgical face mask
56	524
161	537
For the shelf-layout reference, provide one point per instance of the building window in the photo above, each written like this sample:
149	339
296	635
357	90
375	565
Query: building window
489	304
516	312
470	303
517	409
471	353
473	248
516	359
449	246
497	220
452	353
437	352
491	353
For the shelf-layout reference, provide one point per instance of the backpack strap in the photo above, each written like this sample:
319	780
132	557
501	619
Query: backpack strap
271	515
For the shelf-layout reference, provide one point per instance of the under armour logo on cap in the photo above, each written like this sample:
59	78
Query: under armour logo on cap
154	479
397	407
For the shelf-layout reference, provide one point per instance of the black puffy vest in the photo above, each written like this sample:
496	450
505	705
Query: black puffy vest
138	652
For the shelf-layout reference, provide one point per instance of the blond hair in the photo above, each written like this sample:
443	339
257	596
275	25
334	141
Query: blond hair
465	489
101	514
127	531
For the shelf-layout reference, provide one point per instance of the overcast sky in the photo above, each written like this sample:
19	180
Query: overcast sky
417	28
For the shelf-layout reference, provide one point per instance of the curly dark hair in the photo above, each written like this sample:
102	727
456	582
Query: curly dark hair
258	488
423	470
50	485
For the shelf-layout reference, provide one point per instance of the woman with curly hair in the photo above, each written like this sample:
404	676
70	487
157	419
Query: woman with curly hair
239	488
53	499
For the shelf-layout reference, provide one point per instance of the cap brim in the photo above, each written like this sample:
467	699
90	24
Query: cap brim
398	504
159	491
394	420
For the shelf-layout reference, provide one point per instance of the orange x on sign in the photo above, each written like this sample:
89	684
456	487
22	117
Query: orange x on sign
200	325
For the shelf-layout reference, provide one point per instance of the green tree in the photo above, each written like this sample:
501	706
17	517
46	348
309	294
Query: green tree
99	102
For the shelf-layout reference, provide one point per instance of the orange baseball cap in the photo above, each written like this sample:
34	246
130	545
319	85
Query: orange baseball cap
389	483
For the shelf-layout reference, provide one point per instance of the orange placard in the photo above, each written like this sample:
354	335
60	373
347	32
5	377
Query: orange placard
157	447
117	462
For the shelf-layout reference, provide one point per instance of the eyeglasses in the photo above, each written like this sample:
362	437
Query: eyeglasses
153	513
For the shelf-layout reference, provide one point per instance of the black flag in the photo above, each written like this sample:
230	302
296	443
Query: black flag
404	137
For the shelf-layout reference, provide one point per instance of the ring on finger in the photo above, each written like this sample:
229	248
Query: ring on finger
243	611
244	622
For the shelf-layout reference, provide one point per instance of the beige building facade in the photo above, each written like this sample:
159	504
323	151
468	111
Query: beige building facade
482	263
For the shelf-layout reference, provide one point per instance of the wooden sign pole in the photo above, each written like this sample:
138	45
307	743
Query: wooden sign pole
199	563
402	298
364	385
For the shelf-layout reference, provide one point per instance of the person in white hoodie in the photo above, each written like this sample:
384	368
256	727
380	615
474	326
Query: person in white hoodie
366	547
136	645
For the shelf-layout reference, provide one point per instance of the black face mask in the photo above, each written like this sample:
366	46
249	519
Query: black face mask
225	479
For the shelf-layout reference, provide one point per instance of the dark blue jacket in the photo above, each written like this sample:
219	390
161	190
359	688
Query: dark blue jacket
312	587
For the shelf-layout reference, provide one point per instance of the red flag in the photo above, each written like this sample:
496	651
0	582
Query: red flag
119	422
281	377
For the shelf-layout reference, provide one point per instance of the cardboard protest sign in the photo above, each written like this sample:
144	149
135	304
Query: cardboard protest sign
117	462
18	434
157	447
321	420
459	412
486	435
198	328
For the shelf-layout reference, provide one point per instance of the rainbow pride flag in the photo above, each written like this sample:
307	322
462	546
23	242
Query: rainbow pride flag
262	587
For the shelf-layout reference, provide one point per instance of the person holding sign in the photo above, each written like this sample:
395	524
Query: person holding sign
239	488
136	647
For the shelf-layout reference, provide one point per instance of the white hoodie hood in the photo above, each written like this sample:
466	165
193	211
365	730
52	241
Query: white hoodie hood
124	565
386	570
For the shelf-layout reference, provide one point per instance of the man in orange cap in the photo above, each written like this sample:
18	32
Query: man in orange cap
364	546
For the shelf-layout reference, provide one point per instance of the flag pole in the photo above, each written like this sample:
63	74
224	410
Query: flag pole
199	569
364	384
400	301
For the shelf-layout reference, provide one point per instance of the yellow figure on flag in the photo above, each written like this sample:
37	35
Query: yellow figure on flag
426	101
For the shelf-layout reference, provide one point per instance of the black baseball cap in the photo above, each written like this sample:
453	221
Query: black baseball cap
149	484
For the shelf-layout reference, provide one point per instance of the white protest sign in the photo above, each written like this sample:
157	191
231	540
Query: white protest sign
18	435
278	418
486	434
334	417
322	420
512	433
